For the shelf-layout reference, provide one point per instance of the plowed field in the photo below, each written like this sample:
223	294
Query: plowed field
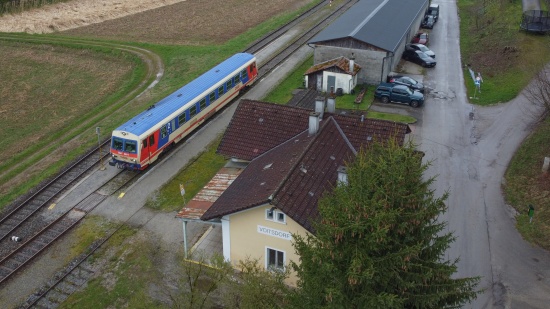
190	22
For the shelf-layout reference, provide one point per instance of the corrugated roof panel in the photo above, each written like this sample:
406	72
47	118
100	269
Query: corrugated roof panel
381	23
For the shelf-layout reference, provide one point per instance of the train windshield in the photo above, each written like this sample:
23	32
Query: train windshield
118	143
124	145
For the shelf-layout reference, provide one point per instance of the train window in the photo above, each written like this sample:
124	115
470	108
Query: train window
181	119
236	79
163	132
130	146
117	143
220	91
192	111
144	143
212	96
202	104
228	84
244	74
151	140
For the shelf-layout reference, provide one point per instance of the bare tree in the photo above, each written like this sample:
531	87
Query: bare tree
538	91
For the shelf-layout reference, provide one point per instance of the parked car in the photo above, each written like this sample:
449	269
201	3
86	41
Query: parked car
433	10
422	48
419	57
428	22
407	81
421	38
387	92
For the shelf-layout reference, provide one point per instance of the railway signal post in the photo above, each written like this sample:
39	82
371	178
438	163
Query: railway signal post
98	132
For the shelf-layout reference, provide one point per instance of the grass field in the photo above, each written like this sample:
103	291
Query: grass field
508	59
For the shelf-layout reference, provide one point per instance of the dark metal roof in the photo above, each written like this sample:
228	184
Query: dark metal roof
381	23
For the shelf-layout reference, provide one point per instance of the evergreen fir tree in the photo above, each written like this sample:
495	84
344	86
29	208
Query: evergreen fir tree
378	243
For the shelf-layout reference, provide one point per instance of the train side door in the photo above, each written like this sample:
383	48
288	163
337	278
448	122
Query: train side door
252	70
152	147
144	150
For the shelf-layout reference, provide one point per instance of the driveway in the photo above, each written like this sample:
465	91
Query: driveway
469	148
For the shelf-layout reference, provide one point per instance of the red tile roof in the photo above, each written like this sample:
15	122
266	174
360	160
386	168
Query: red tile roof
289	169
257	127
292	176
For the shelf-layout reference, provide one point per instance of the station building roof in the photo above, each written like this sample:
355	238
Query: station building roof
380	23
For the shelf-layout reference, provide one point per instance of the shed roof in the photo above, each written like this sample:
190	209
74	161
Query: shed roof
342	63
381	23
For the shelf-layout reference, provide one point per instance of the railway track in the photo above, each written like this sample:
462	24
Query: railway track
46	234
13	223
18	254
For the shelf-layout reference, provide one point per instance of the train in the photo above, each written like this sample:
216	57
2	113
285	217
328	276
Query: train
140	141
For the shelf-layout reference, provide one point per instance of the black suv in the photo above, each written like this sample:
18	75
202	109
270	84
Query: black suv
419	57
387	92
407	81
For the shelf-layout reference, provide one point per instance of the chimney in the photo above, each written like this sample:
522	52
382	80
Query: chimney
342	176
313	123
320	106
352	63
331	105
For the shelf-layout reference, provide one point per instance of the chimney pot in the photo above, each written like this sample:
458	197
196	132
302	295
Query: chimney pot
320	106
313	123
331	105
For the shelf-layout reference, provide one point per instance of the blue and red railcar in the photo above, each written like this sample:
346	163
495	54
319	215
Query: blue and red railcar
138	142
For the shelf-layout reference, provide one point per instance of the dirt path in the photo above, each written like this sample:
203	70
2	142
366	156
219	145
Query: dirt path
76	13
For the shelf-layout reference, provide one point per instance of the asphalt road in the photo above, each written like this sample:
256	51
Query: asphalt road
469	148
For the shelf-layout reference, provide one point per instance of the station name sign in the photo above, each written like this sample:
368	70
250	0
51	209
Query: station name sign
274	232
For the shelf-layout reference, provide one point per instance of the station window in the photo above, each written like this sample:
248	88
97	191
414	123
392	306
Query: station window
220	91
275	215
192	111
236	79
228	84
202	104
212	97
130	146
163	132
275	259
269	214
117	143
181	119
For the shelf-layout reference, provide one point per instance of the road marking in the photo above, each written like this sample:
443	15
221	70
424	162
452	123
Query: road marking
52	206
121	195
